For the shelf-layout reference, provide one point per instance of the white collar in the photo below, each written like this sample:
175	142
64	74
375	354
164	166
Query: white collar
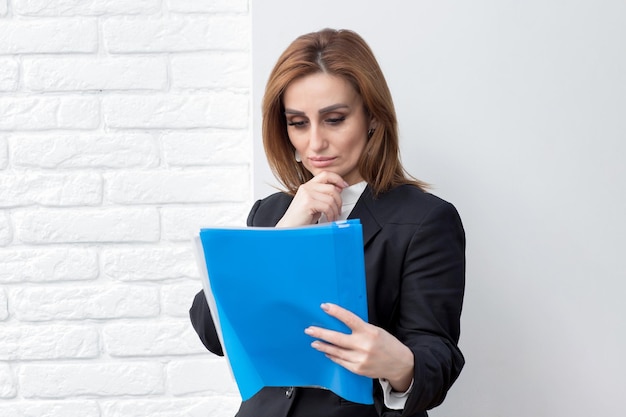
351	194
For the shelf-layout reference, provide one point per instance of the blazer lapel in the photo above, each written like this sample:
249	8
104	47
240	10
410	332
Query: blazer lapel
363	210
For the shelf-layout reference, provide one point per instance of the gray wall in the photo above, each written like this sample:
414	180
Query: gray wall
515	112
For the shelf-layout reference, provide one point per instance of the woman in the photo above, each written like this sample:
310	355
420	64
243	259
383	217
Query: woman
330	135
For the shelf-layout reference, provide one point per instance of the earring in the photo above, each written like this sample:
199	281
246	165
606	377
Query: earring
297	156
370	133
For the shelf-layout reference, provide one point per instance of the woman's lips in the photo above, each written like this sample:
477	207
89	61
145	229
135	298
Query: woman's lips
321	161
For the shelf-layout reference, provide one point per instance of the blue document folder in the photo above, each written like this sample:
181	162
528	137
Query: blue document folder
266	285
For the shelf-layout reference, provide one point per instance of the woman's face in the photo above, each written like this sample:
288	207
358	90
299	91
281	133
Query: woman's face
327	124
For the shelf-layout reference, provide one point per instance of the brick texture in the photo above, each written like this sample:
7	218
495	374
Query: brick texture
58	408
33	304
87	151
50	189
45	113
77	379
37	264
103	225
30	342
207	6
86	73
55	8
124	129
8	387
4	312
9	74
176	33
5	228
48	36
180	111
4	156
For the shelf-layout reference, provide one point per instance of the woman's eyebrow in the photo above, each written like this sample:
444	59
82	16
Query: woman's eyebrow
333	108
294	112
320	111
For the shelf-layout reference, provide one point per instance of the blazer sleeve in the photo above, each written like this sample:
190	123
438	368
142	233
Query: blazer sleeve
200	314
429	310
202	322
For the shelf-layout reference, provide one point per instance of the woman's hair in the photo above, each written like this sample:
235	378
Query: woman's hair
345	54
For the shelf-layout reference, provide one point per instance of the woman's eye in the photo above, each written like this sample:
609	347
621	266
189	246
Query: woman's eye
298	123
335	120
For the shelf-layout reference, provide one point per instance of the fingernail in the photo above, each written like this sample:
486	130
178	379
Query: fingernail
308	330
345	184
325	306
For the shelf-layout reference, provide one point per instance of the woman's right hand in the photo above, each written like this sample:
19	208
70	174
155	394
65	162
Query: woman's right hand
320	195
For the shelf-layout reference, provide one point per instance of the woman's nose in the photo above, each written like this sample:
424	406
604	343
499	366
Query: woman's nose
316	139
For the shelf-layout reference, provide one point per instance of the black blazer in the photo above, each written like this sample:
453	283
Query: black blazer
415	269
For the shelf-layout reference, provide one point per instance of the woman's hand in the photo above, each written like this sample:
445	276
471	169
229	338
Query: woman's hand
369	351
321	195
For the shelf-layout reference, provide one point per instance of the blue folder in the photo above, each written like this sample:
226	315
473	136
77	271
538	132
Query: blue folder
266	285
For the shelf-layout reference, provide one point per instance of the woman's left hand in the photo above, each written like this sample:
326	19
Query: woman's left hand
369	350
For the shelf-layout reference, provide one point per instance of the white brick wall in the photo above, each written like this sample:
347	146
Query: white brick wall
85	73
124	128
8	74
38	112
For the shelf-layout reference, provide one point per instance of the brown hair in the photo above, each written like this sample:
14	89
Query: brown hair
345	54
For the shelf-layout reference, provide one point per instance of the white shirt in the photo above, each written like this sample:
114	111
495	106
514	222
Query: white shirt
349	197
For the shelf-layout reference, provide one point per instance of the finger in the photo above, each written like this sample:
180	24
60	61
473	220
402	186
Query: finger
348	365
333	352
332	337
311	200
347	317
332	213
325	204
349	359
329	203
328	189
319	198
335	179
353	366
